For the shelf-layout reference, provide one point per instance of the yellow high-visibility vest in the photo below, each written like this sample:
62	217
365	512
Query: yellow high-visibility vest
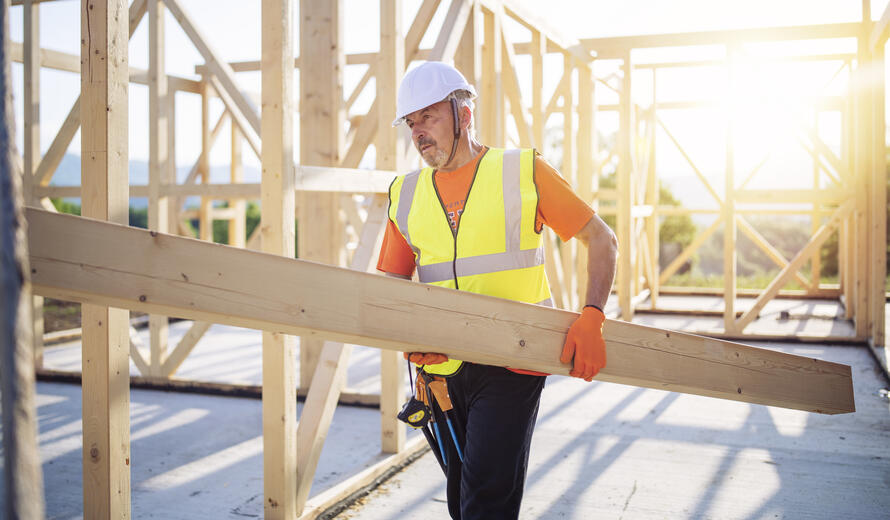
495	250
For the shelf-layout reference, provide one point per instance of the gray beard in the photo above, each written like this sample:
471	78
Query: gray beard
437	159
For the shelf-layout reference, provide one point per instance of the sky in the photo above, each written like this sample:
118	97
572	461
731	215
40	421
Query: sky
233	29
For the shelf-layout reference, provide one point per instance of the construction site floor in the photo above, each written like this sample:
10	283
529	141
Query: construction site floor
600	450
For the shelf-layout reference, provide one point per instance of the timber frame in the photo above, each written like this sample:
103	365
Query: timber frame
348	204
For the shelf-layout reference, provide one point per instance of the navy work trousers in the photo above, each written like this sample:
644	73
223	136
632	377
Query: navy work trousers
493	417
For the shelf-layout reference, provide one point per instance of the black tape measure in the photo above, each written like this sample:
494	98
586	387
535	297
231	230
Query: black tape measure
415	413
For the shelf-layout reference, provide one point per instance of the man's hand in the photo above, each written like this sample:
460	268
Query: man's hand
586	345
425	358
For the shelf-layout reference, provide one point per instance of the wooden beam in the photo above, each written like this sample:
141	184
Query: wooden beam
31	87
880	30
322	118
106	331
278	238
136	355
877	179
828	196
538	50
730	231
533	22
205	218
238	117
238	221
677	262
322	502
159	174
31	148
23	479
58	60
569	170
698	173
184	347
390	153
512	90
611	45
793	266
451	31
774	254
311	179
59	146
47	167
418	28
468	56
363	137
330	374
71	260
491	100
624	184
220	68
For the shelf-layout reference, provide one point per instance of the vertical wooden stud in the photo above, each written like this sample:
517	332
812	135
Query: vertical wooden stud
205	215
491	98
158	170
468	57
815	216
173	206
31	151
863	149
652	198
105	195
538	51
568	170
390	149
846	238
322	116
586	154
729	230
624	188
878	207
278	199
31	62
238	221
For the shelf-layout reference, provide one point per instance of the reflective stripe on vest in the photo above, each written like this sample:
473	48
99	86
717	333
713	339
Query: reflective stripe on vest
495	250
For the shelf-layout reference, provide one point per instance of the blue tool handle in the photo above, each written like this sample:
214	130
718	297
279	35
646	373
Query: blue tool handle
439	440
460	454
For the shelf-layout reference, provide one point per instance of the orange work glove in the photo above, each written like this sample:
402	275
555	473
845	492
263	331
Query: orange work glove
585	344
425	358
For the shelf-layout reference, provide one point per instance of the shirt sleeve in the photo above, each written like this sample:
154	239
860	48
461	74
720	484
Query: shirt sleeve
559	207
396	256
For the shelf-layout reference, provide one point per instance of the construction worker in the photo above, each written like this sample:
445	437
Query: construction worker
472	220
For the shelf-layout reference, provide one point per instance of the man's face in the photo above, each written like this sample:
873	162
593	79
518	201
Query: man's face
432	131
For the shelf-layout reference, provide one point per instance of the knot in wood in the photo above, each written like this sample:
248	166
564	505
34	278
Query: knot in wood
522	343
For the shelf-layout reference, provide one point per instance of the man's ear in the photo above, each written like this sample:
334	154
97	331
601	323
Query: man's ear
466	115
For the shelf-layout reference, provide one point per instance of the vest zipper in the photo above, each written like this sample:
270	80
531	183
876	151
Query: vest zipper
445	213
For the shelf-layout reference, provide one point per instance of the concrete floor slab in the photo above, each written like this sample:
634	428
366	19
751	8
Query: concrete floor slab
603	450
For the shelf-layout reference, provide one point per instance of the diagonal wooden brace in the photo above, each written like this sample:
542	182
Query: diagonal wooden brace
78	259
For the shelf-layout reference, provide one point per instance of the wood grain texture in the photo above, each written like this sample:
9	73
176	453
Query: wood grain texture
153	272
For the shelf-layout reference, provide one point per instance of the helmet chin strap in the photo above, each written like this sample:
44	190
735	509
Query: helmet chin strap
457	130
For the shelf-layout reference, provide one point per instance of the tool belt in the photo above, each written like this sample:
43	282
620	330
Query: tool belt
430	391
427	387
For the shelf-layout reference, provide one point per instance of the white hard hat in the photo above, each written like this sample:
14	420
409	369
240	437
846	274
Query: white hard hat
426	84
